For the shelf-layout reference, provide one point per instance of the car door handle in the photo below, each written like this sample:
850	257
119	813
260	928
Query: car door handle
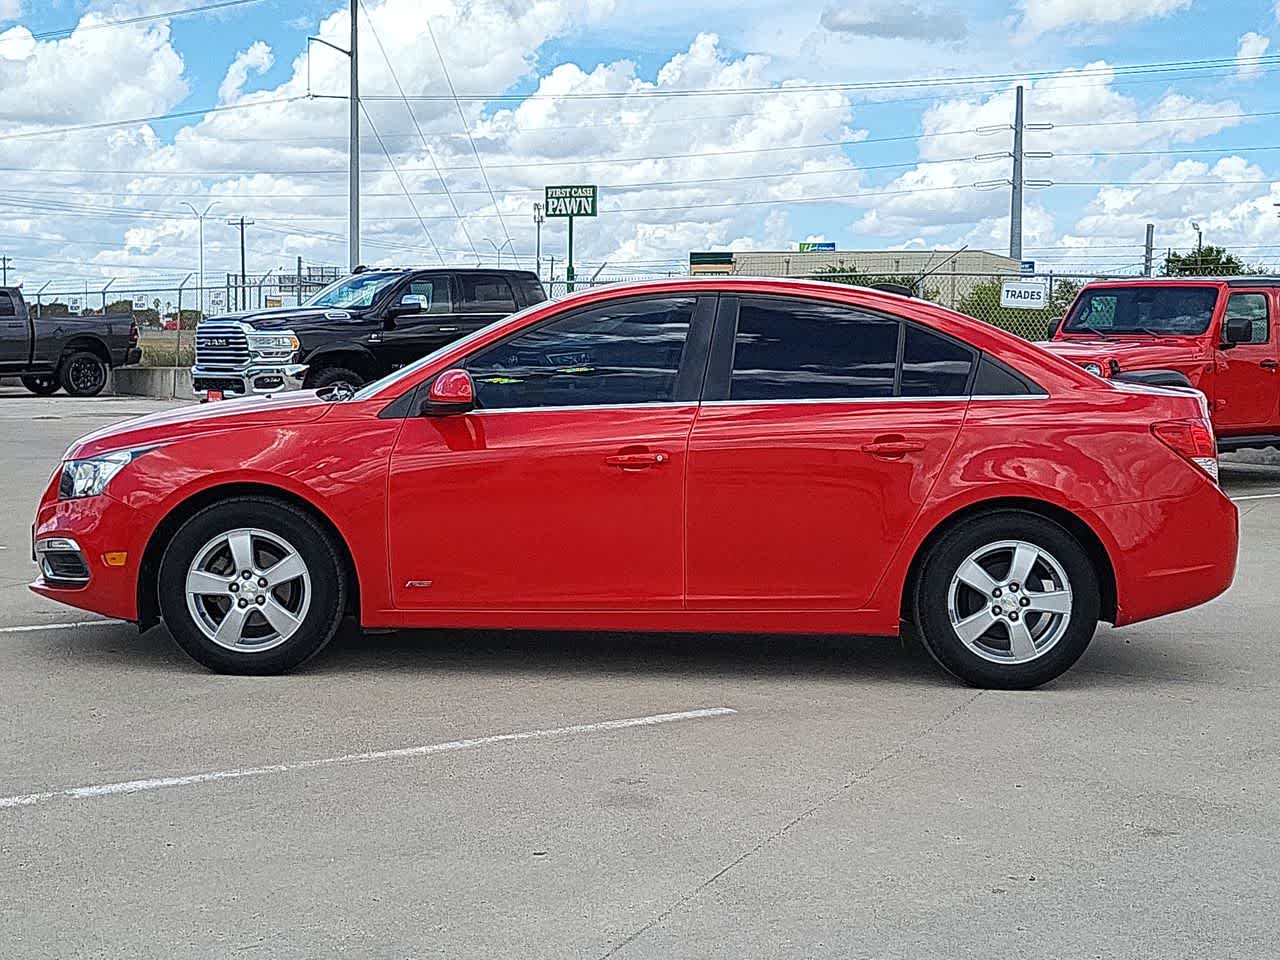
448	329
636	461
893	446
1269	364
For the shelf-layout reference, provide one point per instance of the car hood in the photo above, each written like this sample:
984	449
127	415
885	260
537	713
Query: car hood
1128	353
299	406
281	318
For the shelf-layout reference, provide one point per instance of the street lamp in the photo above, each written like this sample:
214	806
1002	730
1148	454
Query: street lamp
538	220
200	216
1199	238
497	248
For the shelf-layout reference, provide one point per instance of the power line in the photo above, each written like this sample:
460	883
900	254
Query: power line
462	115
179	115
130	21
408	196
425	146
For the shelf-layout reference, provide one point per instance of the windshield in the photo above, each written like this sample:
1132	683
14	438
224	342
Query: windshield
362	290
1172	310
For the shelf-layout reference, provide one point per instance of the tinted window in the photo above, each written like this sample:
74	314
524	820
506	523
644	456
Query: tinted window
1253	307
793	350
1149	310
434	292
934	366
6	305
488	294
994	379
622	353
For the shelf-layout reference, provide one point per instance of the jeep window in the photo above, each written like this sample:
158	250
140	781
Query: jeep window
362	290
1174	310
1251	307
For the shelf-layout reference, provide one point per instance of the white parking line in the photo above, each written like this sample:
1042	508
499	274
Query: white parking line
35	627
402	753
1256	496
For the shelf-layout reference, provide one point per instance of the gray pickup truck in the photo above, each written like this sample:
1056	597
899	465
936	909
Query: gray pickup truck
74	353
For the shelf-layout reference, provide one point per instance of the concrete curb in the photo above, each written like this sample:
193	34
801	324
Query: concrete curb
166	382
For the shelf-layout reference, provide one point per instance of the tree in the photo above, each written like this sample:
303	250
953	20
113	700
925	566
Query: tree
983	302
839	274
1208	261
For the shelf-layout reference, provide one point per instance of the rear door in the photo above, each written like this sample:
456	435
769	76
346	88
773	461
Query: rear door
1247	385
821	433
15	335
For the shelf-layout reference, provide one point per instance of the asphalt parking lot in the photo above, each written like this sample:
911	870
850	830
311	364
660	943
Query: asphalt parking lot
471	795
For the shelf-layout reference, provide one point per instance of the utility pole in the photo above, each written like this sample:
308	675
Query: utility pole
1149	253
538	220
4	263
353	154
1015	208
241	223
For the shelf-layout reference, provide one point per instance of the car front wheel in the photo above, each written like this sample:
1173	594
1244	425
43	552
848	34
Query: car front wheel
252	585
41	385
1008	600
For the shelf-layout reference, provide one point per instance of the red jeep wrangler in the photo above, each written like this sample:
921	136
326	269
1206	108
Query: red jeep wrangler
1214	334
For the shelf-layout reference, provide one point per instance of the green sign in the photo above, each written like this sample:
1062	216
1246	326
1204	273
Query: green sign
808	246
577	201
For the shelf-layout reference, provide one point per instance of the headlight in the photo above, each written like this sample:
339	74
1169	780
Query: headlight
88	478
1094	368
275	343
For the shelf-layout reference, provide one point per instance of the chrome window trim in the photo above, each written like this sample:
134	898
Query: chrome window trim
655	405
667	404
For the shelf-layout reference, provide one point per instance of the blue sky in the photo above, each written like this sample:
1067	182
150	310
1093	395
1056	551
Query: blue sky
913	192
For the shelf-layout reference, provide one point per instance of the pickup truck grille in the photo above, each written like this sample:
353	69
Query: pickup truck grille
221	346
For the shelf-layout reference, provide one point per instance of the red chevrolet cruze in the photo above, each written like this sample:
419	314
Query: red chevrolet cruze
694	455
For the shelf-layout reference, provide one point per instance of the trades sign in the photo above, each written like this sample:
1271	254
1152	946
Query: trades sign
1024	294
577	201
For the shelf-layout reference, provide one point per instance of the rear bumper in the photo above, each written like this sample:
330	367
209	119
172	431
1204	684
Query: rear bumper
1170	555
131	357
256	379
97	526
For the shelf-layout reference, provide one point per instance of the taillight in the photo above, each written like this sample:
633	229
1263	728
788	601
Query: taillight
133	334
1192	440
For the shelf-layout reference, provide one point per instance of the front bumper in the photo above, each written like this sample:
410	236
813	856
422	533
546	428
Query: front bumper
100	530
257	378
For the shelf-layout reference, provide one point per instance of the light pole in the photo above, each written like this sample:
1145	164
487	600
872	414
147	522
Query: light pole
1199	240
200	216
539	218
497	248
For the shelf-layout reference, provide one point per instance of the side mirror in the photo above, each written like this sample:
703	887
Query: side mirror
409	303
451	392
1235	331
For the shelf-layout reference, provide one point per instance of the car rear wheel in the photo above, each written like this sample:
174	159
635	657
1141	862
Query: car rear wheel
41	386
252	585
1007	600
83	374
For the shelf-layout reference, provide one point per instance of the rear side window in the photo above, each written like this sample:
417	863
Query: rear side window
934	365
1253	307
487	294
994	379
797	350
7	308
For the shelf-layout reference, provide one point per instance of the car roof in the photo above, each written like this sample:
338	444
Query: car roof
506	271
1234	281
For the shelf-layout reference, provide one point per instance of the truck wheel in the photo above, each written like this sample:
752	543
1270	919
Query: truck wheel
331	376
83	374
1006	600
45	386
251	585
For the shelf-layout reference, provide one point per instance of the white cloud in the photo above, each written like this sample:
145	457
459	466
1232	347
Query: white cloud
1042	16
10	9
1252	45
258	59
890	19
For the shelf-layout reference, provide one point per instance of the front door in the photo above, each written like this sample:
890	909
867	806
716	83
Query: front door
564	489
407	336
15	339
830	428
1246	384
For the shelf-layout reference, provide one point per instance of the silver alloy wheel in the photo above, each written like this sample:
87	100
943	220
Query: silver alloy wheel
1010	602
248	590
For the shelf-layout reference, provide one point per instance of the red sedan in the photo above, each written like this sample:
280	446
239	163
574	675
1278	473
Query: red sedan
693	455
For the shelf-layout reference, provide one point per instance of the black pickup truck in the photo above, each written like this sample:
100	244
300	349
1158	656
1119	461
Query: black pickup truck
74	353
355	330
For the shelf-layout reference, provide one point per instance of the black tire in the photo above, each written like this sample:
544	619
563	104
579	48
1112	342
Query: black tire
327	590
42	386
83	374
981	536
329	376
